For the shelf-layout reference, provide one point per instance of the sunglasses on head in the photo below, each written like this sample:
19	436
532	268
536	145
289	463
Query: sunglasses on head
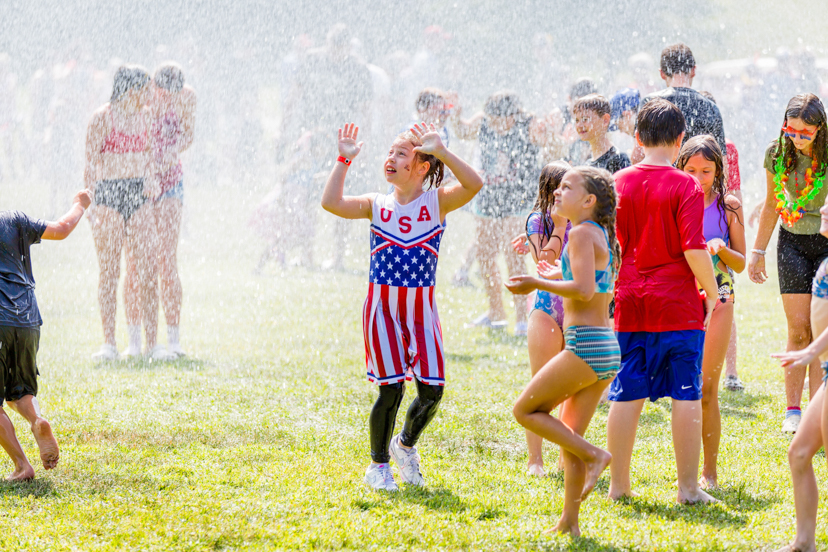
791	132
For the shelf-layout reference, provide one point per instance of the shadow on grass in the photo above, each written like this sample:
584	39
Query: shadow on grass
737	498
741	405
709	514
439	499
37	488
586	544
147	365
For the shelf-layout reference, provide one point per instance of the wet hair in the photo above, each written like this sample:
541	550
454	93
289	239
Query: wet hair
429	98
582	87
659	123
503	104
128	77
708	147
170	77
601	184
677	59
809	108
436	168
550	179
595	103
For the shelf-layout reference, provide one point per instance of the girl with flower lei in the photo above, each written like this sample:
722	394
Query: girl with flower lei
795	167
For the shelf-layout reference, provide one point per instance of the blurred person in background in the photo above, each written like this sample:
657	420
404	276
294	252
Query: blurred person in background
119	170
508	145
173	109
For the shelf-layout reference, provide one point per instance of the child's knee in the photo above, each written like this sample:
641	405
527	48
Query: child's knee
798	456
429	395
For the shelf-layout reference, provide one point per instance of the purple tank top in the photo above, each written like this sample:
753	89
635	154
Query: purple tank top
715	223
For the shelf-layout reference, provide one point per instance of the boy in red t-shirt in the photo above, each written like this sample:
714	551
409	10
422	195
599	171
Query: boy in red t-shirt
659	317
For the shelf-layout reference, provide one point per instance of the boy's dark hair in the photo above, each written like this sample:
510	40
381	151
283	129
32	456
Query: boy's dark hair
550	179
503	104
809	108
708	147
429	98
676	59
582	87
593	102
659	123
436	169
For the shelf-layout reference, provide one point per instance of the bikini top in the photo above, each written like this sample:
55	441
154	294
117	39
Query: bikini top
120	142
604	279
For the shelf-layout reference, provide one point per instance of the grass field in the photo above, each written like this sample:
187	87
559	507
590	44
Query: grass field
259	440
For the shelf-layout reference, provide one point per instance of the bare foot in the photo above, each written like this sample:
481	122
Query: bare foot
618	495
564	527
708	483
797	548
594	470
24	473
536	470
46	442
696	496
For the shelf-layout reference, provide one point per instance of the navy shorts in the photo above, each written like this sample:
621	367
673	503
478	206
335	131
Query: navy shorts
659	364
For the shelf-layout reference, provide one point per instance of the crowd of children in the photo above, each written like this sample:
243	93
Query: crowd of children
635	288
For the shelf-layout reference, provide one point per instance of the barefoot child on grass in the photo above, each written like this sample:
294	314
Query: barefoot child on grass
724	231
659	316
20	331
579	374
403	338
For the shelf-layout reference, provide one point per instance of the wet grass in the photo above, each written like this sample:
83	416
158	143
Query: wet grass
259	440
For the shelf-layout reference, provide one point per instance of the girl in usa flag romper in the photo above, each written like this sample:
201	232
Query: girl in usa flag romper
403	339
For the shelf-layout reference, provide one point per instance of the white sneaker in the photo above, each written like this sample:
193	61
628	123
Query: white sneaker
160	353
380	478
521	329
131	352
175	349
483	321
107	352
408	460
791	423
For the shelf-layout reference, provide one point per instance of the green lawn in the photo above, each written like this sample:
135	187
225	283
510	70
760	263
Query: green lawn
259	440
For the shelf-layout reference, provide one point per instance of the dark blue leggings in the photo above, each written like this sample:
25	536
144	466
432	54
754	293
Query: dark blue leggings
384	416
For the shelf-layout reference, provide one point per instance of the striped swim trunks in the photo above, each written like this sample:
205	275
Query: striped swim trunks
596	346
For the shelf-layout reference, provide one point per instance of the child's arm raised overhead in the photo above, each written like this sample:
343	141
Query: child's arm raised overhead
734	254
582	263
468	181
349	207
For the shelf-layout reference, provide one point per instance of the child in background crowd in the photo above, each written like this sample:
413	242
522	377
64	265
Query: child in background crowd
624	105
592	121
724	231
659	317
579	374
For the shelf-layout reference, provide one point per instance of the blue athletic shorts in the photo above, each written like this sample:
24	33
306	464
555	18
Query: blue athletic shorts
659	364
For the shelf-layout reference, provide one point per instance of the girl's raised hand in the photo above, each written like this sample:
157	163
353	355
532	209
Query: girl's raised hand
522	285
549	271
430	138
347	144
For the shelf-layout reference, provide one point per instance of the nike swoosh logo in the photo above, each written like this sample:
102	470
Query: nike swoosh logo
686	386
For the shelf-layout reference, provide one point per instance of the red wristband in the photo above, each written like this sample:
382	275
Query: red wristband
344	160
